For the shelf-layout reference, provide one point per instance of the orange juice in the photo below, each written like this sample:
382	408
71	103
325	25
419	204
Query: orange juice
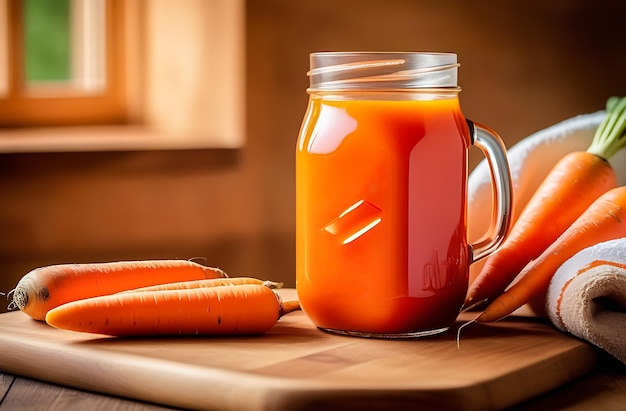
381	237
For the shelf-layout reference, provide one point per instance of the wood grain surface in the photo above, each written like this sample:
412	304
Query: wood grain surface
298	367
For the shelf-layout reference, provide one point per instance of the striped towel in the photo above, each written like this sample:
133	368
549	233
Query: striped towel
587	296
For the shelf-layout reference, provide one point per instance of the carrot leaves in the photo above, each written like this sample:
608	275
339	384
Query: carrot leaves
610	137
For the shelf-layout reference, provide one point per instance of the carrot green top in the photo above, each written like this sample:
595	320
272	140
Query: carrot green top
610	136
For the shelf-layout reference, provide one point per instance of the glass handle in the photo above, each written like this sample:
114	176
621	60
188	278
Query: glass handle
492	147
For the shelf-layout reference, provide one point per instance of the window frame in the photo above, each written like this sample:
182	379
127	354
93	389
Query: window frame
21	107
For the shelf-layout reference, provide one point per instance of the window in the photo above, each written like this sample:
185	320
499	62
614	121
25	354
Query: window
64	45
140	73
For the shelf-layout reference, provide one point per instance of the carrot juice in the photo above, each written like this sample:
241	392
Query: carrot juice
381	187
381	243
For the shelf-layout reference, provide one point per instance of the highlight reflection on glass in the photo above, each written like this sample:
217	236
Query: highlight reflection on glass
355	221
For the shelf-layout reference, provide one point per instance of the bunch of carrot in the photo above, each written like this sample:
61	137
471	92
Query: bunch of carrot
142	298
579	204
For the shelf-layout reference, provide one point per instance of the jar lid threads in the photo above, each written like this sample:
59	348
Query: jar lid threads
335	71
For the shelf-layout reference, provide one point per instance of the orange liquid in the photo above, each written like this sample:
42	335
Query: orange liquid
381	215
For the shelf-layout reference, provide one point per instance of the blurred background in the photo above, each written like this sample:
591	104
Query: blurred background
524	66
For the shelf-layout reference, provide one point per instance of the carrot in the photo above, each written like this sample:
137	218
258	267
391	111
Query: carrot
222	310
211	282
575	182
47	287
604	220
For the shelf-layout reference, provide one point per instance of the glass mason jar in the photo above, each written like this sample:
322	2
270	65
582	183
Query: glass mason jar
381	194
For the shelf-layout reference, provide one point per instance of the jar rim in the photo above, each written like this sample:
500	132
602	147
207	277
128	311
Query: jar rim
382	70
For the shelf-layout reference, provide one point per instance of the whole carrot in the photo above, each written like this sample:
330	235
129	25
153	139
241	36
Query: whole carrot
222	310
47	287
568	190
604	220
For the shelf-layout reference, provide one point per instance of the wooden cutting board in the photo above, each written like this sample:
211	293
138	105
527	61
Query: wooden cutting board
298	367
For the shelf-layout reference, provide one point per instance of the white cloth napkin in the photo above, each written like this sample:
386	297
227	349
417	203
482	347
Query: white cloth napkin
591	306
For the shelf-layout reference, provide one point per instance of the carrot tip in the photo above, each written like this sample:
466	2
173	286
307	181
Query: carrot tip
289	306
482	318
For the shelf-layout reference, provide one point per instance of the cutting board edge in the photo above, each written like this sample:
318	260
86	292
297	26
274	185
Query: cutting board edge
538	378
50	366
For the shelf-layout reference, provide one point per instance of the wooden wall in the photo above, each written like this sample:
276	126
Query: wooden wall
524	66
